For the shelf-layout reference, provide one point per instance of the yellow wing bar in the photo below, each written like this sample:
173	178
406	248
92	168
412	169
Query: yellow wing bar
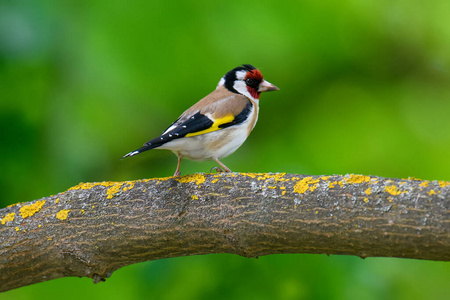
215	126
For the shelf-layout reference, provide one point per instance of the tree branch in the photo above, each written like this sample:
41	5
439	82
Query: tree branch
94	229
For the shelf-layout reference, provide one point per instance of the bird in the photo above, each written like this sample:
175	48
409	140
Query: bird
217	125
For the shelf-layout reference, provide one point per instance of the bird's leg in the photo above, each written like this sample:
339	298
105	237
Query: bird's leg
224	168
177	171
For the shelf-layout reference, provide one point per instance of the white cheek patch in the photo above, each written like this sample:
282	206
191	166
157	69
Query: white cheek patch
241	87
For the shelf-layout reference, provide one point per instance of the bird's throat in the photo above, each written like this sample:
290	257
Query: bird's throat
253	92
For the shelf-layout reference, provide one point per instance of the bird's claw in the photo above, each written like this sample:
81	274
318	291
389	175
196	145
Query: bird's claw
217	169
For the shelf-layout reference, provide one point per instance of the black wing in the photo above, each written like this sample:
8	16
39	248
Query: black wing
195	125
197	122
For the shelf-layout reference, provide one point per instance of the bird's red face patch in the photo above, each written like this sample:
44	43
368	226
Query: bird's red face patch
256	77
254	74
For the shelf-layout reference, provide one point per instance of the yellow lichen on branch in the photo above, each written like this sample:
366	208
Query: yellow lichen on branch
393	190
276	177
304	184
113	187
113	190
357	178
90	185
29	210
130	185
8	218
443	183
197	178
424	184
63	214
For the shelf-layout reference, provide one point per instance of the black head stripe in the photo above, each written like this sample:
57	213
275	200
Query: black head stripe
230	77
248	67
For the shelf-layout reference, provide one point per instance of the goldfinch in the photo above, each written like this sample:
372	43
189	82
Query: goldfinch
218	124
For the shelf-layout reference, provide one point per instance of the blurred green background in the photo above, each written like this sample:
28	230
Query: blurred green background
365	88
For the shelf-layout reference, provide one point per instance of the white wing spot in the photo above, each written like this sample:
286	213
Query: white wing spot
169	129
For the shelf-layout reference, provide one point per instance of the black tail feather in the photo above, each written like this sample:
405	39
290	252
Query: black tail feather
140	150
164	138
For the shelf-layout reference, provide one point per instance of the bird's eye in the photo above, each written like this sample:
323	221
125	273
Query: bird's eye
250	82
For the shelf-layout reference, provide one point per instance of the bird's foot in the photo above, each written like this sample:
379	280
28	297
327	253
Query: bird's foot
217	169
177	174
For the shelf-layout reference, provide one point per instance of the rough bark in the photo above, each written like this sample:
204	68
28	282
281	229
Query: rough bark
94	229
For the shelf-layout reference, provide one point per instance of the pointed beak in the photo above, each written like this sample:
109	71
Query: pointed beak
266	86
